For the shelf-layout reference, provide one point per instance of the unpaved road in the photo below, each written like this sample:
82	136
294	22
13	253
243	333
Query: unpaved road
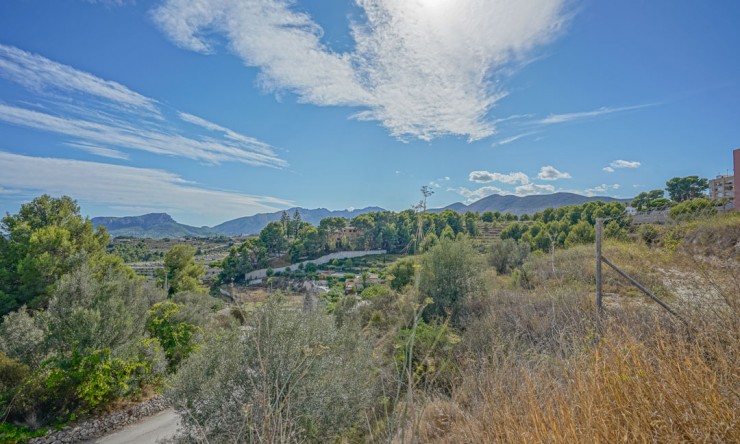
147	431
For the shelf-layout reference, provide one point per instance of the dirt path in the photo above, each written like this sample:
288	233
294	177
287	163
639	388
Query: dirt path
147	431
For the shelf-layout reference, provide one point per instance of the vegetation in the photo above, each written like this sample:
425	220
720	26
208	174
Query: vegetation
44	241
181	273
686	188
468	340
81	331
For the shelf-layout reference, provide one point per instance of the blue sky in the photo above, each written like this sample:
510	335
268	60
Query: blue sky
215	109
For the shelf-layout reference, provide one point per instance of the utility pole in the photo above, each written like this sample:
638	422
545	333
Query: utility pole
599	305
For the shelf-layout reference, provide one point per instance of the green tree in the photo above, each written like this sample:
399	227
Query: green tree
273	238
46	240
692	209
581	233
451	274
686	188
402	272
178	338
505	255
181	272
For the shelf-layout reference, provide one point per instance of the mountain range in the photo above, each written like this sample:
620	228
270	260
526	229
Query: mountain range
255	224
161	225
153	225
527	204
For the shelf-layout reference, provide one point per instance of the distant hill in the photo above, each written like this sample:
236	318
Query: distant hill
525	205
255	224
161	225
153	225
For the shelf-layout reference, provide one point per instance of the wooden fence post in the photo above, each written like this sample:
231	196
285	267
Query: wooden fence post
599	303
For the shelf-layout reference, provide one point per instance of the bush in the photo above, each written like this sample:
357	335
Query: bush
507	254
693	209
429	348
403	272
178	339
285	377
649	234
451	274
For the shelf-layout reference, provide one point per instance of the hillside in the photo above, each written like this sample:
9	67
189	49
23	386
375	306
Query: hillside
525	205
153	225
255	224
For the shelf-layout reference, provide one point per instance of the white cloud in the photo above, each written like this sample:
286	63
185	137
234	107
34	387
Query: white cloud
38	73
487	176
422	69
569	117
601	189
608	169
549	172
438	183
533	188
625	164
124	135
115	185
477	194
99	150
521	190
115	116
511	139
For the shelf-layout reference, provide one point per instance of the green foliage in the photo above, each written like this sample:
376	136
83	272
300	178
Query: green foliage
273	237
693	209
450	275
248	256
427	351
86	350
613	230
652	200
13	434
45	240
505	255
181	272
649	233
401	273
686	188
178	339
286	376
581	233
134	252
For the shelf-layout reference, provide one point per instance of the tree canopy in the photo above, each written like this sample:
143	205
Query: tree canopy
686	188
47	239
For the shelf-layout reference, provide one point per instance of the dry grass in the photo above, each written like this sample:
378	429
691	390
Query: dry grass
534	371
624	391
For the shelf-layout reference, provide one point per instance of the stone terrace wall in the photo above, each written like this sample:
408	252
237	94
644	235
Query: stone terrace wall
97	427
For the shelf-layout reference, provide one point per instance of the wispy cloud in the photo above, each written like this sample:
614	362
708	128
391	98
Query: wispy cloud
438	183
533	188
570	117
422	69
549	172
40	74
477	194
511	139
99	150
601	189
619	164
124	135
116	185
527	189
487	176
111	115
